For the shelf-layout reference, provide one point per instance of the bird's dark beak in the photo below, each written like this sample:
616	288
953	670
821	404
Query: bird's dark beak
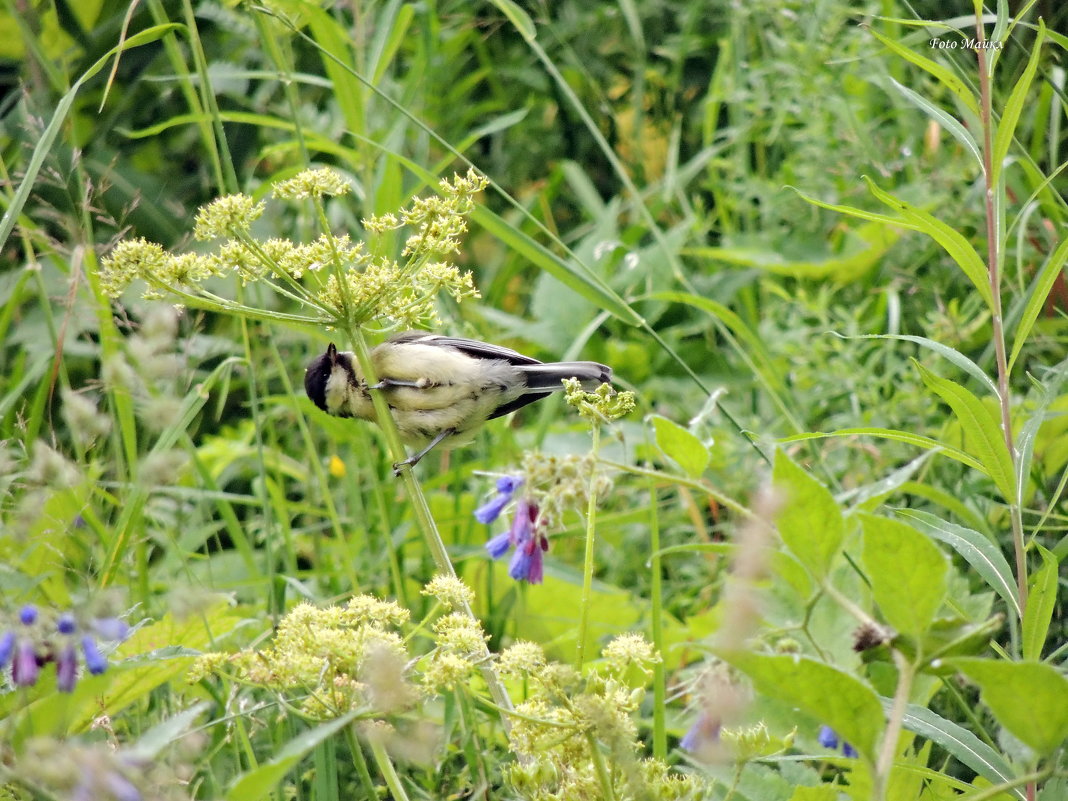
331	353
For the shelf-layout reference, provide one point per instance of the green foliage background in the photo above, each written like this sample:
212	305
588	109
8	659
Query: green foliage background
678	190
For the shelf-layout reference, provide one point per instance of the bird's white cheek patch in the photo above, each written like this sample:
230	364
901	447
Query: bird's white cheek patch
336	391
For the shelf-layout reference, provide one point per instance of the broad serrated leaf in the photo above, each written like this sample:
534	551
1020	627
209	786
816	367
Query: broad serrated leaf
908	573
982	432
1040	604
1030	699
828	694
682	447
810	521
978	551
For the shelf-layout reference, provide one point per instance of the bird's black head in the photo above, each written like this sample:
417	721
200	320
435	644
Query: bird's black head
317	374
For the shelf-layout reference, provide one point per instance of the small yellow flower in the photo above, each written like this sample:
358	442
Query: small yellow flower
337	467
312	183
604	403
226	216
450	590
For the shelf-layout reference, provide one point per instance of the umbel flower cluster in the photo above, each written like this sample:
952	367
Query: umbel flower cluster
37	639
575	734
337	659
333	280
546	487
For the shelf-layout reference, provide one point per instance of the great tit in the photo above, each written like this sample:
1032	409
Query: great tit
439	389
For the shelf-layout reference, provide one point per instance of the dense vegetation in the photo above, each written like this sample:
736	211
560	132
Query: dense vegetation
815	553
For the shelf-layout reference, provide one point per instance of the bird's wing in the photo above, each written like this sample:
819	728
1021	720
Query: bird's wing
472	347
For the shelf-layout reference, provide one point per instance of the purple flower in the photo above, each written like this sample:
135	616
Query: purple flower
28	615
527	562
499	545
491	510
828	738
703	730
24	670
66	669
95	662
121	788
111	628
7	647
66	624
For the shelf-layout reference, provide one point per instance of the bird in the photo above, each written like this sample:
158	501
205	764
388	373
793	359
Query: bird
440	389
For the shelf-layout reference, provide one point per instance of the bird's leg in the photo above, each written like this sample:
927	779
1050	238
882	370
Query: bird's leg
390	383
413	460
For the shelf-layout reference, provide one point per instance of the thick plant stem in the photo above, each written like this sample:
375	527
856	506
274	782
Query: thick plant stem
993	246
423	516
587	565
906	672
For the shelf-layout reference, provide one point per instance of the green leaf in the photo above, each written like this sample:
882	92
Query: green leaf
810	522
955	357
1014	106
260	781
581	280
908	573
947	121
982	431
1042	285
59	117
959	742
161	735
864	248
678	444
897	436
518	17
952	241
978	551
1040	603
944	75
843	702
1027	698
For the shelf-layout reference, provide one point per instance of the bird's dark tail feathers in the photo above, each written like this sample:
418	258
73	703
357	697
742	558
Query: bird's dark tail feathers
547	377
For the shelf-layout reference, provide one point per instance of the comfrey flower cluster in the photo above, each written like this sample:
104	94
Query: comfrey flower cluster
828	738
340	281
37	639
546	487
525	533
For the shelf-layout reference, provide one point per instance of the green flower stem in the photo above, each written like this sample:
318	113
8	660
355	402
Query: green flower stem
997	790
599	765
385	767
587	565
423	516
906	672
656	593
700	486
